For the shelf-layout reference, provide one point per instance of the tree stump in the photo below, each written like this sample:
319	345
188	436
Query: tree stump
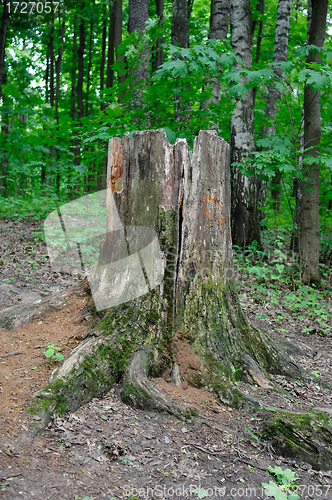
165	266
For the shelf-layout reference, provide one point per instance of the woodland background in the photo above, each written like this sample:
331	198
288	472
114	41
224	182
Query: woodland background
74	74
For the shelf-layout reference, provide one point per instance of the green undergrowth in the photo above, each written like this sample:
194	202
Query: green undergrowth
27	207
270	276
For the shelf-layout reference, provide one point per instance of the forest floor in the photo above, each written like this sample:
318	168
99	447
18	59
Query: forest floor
109	450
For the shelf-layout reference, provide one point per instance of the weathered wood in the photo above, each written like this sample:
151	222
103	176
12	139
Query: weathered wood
166	267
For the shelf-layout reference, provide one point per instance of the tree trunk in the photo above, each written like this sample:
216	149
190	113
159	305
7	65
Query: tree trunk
180	37
58	70
3	37
118	38
218	31
80	58
57	94
89	70
51	95
245	214
170	211
180	27
162	278
110	48
309	216
73	74
3	79
138	15
159	57
274	95
103	56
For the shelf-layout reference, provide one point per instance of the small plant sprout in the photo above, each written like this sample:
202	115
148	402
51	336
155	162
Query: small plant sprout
51	352
234	372
286	487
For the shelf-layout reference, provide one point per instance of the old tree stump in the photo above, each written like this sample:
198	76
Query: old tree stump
165	266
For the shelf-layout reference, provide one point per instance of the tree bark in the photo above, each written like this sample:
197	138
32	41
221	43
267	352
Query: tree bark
110	48
159	53
138	15
180	37
3	79
73	74
80	58
3	37
309	216
57	94
279	55
51	95
103	56
245	214
58	70
89	69
168	217
118	38
180	27
163	281
274	94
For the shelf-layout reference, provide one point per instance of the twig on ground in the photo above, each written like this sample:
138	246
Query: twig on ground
16	353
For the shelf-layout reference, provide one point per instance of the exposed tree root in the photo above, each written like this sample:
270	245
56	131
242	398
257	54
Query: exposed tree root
16	316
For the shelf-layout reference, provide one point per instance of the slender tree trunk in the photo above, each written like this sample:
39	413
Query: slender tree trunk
52	93
309	216
111	45
47	71
180	37
138	15
3	37
180	27
118	39
58	70
73	105
73	74
57	95
80	58
3	78
218	31
260	7
103	56
89	69
274	95
245	214
159	54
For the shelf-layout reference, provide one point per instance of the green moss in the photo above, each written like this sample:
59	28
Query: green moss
304	436
130	391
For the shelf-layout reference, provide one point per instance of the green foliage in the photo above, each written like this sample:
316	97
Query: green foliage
286	487
51	352
274	280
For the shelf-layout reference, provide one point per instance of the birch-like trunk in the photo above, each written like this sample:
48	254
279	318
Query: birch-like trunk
309	210
245	215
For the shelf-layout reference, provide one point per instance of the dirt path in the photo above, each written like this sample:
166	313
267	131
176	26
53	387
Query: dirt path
109	450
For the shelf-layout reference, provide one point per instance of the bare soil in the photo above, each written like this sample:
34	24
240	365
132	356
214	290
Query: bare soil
109	450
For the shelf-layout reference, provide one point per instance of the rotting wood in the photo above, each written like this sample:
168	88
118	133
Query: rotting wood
184	199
